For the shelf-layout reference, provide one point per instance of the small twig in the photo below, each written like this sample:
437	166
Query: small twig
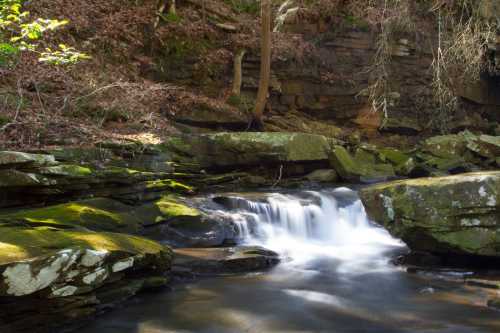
39	98
279	177
109	86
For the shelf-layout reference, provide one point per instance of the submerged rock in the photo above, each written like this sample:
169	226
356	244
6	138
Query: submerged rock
224	260
453	215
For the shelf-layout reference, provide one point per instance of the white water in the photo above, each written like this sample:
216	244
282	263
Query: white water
323	224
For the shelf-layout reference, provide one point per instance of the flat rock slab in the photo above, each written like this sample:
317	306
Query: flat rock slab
224	260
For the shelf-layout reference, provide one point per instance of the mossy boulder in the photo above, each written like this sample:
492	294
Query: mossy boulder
94	214
445	215
167	209
247	149
168	219
362	167
60	276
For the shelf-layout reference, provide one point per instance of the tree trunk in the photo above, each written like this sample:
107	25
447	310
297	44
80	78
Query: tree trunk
161	9
265	63
172	9
238	76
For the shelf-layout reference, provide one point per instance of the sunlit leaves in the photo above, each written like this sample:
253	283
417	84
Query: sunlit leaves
20	33
65	55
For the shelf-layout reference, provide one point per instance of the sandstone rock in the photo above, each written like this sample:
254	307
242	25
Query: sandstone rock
205	115
490	9
454	215
486	146
225	260
15	159
57	276
401	125
15	178
251	148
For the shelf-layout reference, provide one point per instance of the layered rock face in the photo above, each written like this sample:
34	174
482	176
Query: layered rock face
51	277
454	215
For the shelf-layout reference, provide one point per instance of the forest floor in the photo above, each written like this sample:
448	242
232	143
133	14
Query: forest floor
117	94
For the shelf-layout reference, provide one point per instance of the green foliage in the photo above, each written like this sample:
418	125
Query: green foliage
171	17
18	32
356	22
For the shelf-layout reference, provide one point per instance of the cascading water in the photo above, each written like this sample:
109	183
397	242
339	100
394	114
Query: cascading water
338	278
310	225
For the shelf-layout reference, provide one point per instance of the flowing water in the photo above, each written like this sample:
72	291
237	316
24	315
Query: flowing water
336	277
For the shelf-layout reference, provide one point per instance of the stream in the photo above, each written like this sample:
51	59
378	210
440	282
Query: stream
336	276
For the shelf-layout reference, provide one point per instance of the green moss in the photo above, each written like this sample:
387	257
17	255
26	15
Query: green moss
170	185
475	240
73	171
171	17
167	209
23	243
394	156
95	214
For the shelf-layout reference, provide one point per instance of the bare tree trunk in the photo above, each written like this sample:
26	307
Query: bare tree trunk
265	63
238	75
204	12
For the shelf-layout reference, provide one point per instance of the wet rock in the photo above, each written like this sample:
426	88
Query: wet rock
454	215
483	283
224	260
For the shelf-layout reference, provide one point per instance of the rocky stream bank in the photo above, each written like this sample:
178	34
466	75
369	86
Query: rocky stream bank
83	229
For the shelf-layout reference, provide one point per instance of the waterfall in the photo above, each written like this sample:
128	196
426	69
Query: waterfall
310	224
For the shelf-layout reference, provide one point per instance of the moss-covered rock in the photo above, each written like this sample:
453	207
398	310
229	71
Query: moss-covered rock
16	159
94	214
323	176
248	149
167	209
362	167
61	276
168	219
445	215
16	178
